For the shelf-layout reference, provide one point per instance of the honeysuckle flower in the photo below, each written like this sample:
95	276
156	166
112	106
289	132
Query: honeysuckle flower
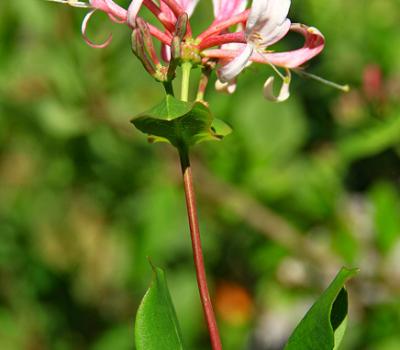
313	45
267	23
255	30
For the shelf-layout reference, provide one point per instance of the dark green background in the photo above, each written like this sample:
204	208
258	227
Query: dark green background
298	190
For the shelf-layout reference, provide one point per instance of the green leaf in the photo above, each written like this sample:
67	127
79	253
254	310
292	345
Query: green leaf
156	326
323	327
182	124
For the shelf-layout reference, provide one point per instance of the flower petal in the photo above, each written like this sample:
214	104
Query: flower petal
133	10
224	9
165	53
284	93
313	45
188	5
229	71
109	7
267	20
116	10
277	34
88	41
227	88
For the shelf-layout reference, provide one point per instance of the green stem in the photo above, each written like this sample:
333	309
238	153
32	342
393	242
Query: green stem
169	89
186	68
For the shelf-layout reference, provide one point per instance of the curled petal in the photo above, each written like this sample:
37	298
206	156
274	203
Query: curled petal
229	71
109	7
115	19
116	10
227	88
87	40
284	93
313	45
99	5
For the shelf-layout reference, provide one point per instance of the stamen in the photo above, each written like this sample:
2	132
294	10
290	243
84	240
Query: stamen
302	73
74	3
276	70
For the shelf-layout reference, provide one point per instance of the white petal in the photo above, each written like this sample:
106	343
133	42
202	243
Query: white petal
258	8
227	88
229	71
267	19
277	34
284	93
188	5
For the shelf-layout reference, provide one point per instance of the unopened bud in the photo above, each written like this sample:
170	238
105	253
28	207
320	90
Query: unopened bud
148	40
138	48
181	25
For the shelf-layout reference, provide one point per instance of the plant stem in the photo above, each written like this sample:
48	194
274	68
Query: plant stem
169	89
186	68
197	250
205	77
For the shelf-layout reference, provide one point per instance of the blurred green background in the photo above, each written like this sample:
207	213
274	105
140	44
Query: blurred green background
298	190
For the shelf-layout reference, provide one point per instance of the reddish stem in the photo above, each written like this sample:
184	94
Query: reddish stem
197	251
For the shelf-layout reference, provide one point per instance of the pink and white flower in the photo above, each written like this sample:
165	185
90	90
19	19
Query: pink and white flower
257	28
266	24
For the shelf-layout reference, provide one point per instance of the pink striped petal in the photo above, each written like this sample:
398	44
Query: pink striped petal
116	10
99	5
313	45
109	7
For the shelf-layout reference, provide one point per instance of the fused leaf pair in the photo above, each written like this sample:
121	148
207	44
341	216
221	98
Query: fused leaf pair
182	124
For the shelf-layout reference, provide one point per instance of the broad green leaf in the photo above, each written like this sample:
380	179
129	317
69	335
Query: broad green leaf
323	327
182	124
156	326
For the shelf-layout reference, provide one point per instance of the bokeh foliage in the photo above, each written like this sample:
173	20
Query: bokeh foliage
296	191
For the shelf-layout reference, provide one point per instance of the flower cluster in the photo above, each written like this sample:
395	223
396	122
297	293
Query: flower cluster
238	37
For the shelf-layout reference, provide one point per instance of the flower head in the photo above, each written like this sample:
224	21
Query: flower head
255	30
